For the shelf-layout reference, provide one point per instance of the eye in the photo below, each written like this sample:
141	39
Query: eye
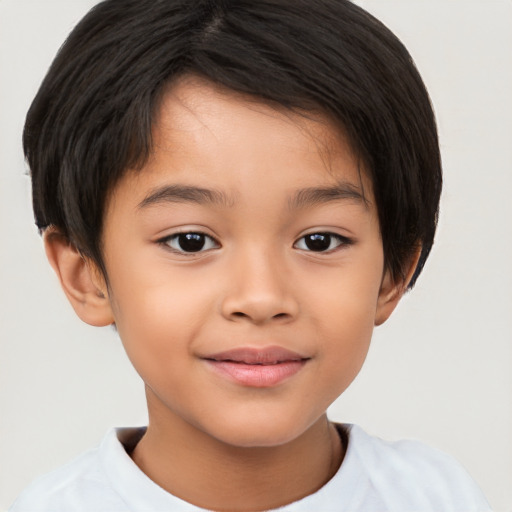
321	242
190	242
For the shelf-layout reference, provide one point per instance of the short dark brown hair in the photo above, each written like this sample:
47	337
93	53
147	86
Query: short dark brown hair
92	117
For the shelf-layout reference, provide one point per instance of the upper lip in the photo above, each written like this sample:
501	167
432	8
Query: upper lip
265	355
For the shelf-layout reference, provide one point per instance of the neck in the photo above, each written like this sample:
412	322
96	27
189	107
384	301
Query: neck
218	476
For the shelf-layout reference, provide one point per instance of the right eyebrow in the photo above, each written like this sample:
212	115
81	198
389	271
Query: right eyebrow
184	194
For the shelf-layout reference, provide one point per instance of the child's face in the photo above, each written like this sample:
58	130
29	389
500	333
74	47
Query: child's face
283	264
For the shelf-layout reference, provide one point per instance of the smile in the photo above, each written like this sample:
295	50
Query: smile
258	368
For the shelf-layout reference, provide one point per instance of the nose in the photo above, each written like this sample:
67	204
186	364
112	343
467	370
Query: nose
259	290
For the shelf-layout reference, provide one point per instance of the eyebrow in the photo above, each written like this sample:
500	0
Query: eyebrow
301	199
319	195
184	194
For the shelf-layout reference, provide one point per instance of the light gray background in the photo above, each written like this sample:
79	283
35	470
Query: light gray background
439	371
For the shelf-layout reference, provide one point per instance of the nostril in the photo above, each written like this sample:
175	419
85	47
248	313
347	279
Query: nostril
240	314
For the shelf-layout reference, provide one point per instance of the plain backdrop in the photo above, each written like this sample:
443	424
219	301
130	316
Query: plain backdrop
438	371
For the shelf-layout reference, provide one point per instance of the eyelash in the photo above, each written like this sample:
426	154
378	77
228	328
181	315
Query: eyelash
322	237
192	237
202	239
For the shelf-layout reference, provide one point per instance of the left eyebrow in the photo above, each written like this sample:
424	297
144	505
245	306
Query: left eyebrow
314	196
184	194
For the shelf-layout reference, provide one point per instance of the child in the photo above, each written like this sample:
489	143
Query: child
244	189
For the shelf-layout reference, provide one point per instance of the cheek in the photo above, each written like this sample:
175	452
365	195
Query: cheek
345	307
345	339
157	330
155	312
346	300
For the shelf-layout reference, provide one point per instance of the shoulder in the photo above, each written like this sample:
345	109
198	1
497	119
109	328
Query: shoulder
81	485
411	472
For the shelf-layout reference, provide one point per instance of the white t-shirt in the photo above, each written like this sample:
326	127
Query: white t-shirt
375	476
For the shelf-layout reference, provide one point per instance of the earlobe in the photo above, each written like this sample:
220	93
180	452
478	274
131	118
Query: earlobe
81	281
392	290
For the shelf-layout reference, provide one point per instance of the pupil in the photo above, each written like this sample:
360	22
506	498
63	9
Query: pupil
191	242
318	242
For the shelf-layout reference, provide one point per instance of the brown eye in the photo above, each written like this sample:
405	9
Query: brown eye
318	242
191	242
321	242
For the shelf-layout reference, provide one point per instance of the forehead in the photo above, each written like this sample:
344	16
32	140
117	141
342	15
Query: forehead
204	131
198	111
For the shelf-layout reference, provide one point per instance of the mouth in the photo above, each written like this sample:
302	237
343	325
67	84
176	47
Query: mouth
260	368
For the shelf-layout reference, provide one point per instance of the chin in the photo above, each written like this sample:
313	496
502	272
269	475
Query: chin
257	432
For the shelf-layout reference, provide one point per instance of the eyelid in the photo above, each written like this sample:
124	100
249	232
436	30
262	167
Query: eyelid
343	241
165	241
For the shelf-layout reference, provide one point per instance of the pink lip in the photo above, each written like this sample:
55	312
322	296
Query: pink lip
257	367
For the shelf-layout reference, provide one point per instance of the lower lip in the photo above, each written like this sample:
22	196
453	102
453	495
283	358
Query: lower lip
257	375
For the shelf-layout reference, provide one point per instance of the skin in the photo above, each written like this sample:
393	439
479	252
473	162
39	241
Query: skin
256	284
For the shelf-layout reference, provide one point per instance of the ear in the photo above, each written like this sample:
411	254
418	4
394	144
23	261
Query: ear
80	279
392	290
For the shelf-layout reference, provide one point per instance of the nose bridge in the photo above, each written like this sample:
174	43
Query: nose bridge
260	288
